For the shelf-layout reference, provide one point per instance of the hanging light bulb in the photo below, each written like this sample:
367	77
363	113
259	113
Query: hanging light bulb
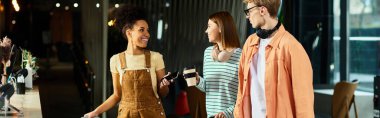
76	5
57	5
67	8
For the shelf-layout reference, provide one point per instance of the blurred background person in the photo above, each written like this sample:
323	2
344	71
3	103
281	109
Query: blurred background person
5	47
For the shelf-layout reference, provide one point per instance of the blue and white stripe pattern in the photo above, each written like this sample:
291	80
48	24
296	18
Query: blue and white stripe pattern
220	83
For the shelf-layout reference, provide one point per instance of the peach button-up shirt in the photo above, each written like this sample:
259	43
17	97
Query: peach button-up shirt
288	78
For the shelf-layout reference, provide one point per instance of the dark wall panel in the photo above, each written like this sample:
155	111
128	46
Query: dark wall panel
184	40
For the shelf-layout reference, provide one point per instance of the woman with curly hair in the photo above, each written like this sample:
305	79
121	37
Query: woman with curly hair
137	72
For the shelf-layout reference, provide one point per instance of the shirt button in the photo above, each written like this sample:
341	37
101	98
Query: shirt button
245	79
162	114
159	102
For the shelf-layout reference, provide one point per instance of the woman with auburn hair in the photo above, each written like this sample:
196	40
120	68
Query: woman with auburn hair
220	66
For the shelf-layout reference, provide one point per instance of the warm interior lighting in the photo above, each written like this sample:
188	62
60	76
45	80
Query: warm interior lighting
67	8
1	8
15	5
76	5
111	23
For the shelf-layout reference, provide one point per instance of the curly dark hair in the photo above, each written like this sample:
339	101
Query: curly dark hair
126	16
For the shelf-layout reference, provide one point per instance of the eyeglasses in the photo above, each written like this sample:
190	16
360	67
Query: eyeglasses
248	10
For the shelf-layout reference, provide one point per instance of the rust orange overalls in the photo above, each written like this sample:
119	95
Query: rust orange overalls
138	99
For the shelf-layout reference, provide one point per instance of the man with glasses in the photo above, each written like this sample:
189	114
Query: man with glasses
275	74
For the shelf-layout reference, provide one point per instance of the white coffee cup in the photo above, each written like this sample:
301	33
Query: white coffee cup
190	76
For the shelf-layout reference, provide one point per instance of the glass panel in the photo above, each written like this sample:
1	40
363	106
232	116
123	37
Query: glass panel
364	39
336	38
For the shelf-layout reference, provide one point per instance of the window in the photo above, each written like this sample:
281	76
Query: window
364	41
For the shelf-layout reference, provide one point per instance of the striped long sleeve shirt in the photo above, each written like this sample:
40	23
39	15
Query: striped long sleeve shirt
220	83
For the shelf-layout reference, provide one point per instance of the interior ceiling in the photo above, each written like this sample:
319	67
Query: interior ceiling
48	5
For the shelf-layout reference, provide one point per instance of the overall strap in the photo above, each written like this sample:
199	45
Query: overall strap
147	58
123	63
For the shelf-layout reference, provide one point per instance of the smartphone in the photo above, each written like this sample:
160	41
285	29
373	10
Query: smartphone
172	75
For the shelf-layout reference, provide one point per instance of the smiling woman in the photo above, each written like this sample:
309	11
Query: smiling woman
136	72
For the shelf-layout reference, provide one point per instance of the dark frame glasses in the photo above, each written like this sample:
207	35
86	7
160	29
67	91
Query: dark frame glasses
246	11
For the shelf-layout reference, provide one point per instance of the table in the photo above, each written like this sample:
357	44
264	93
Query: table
29	104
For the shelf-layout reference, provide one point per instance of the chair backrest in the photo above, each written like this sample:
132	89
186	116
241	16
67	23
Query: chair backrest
342	99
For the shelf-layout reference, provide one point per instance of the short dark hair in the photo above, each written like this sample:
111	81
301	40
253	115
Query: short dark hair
126	16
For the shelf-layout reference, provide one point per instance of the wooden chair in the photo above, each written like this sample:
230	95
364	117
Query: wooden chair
342	99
